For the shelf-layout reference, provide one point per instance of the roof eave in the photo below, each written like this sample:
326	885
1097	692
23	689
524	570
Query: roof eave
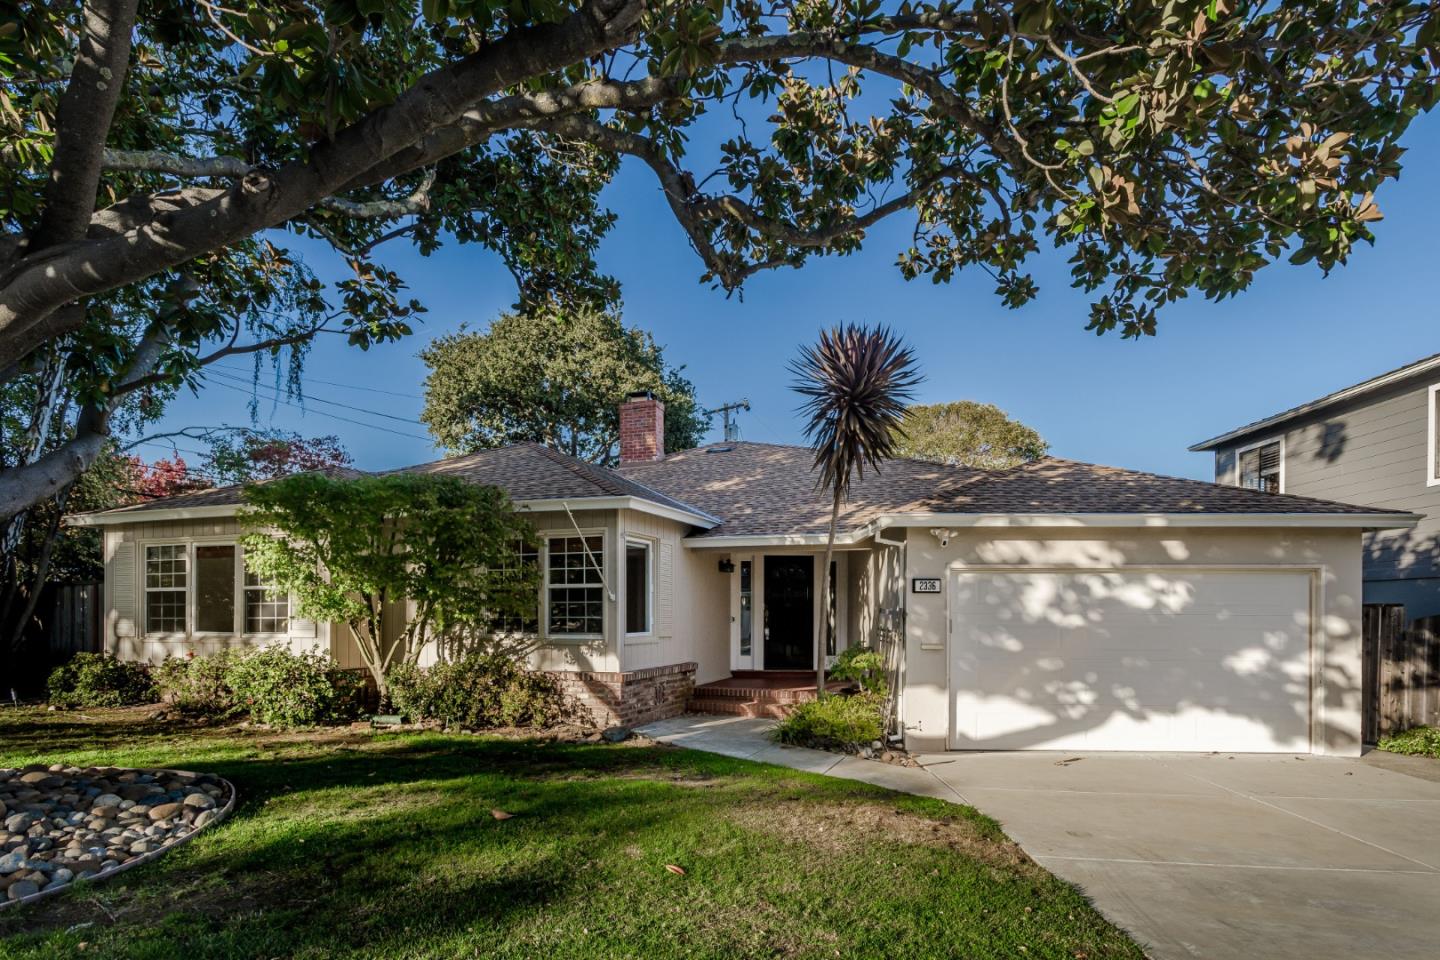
538	505
1339	396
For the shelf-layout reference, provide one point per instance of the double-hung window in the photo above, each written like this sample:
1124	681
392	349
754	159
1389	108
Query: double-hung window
203	588
167	580
639	593
575	586
1261	466
524	561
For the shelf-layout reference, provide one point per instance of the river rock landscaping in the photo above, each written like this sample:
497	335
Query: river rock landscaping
62	823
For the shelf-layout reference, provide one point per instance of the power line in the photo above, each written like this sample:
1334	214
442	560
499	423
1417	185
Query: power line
333	416
331	403
333	383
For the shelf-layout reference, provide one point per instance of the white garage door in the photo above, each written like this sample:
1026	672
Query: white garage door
1135	660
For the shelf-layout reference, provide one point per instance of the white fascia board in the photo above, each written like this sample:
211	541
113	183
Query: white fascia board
146	516
639	504
777	540
1370	521
536	506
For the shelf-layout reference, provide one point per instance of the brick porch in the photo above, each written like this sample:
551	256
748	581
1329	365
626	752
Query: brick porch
758	693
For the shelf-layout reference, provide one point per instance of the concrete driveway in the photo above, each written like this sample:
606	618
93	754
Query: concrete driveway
1220	856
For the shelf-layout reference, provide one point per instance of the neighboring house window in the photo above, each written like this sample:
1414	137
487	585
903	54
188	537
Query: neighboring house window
267	608
1432	475
167	575
526	558
575	586
1260	466
215	588
637	587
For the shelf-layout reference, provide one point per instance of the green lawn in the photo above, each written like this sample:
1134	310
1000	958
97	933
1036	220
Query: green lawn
349	844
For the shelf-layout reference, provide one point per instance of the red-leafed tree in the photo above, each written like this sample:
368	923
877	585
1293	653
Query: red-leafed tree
254	455
163	478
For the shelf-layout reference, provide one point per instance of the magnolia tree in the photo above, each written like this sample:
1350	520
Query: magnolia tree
155	155
347	549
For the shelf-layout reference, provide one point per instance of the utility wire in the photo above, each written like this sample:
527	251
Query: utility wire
329	383
334	416
330	403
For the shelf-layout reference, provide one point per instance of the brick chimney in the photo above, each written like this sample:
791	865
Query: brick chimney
642	428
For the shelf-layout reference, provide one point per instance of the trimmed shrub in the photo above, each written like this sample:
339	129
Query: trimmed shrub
287	689
100	680
861	665
477	691
198	686
833	721
1417	741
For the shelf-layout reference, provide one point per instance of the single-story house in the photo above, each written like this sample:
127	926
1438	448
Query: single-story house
1055	605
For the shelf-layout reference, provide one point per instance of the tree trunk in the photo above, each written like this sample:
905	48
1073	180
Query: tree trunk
825	591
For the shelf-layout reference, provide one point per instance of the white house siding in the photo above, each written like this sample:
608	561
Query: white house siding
1335	704
692	616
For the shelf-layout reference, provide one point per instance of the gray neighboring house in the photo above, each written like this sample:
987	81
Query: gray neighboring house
1373	443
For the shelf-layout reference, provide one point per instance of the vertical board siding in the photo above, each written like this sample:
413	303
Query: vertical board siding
1401	673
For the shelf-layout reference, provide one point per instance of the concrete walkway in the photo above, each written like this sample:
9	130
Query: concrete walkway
1197	855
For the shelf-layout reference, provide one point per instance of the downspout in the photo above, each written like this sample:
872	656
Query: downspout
897	720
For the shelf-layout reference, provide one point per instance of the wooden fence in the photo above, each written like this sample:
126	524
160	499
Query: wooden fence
1401	670
70	618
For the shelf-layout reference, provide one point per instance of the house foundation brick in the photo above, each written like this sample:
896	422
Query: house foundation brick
631	698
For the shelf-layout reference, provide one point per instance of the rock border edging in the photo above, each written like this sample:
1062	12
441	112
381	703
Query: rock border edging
220	817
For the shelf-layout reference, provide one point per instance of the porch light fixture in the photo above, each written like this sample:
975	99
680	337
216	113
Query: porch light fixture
943	535
727	565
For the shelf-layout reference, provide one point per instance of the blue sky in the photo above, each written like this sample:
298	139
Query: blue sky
1293	336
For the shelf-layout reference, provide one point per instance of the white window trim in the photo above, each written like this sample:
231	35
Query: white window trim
146	589
1431	478
649	546
1278	438
601	554
190	632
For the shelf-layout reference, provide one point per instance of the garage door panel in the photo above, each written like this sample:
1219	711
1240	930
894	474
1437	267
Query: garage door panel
1179	660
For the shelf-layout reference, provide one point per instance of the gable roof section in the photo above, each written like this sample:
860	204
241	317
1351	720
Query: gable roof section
1330	399
532	475
767	490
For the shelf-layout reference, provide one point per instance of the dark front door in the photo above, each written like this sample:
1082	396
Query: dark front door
789	613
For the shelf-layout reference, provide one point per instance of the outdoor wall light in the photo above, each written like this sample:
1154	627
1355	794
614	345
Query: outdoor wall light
943	535
727	565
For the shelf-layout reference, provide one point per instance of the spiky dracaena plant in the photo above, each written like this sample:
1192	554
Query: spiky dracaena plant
857	381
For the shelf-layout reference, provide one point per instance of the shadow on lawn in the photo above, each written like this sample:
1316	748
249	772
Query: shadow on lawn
367	848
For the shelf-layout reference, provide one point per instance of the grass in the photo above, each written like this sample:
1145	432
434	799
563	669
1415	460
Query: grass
1417	741
352	844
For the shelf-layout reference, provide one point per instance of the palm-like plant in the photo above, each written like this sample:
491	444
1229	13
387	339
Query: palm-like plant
856	381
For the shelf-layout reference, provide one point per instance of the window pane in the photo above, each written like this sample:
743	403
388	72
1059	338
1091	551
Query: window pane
165	611
576	592
267	608
637	588
165	566
215	588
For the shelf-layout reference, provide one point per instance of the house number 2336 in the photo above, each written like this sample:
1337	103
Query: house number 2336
925	585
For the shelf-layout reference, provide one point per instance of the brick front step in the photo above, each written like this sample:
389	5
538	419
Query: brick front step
739	708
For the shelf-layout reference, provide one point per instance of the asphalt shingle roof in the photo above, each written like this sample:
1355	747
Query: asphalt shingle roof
758	489
765	489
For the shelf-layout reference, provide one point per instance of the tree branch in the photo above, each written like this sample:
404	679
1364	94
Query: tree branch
82	120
